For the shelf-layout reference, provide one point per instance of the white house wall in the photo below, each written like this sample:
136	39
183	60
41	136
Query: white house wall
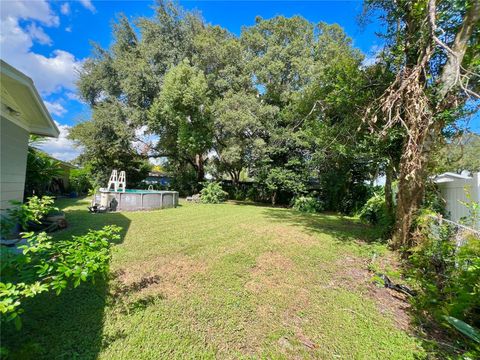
13	162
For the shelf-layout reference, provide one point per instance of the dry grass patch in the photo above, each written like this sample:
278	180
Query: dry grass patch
168	277
269	272
282	235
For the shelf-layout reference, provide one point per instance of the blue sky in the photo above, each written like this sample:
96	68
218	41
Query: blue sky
48	40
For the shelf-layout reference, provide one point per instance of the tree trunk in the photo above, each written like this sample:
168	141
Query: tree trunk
388	187
236	178
200	168
410	194
451	71
274	198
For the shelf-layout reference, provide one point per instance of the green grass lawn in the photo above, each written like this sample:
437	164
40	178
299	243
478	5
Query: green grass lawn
219	281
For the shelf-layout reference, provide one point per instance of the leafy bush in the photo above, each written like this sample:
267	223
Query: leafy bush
212	193
239	195
307	204
278	179
80	180
252	194
33	210
375	212
433	200
46	265
184	179
447	273
354	198
41	170
344	190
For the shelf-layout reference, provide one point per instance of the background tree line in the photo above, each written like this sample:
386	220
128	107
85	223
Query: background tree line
288	102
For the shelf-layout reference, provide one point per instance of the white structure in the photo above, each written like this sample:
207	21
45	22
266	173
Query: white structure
117	181
454	188
22	113
122	181
113	181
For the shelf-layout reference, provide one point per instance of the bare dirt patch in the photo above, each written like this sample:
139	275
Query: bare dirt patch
393	303
352	274
269	272
169	277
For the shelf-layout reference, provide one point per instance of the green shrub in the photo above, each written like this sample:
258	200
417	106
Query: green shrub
307	204
80	180
213	193
433	200
47	265
447	274
252	194
375	212
33	210
239	195
41	170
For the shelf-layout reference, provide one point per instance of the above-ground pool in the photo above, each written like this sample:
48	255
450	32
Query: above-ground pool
136	199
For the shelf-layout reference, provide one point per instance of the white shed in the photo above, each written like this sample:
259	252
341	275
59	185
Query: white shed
453	188
22	113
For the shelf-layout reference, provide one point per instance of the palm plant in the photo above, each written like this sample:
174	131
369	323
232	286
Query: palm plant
41	169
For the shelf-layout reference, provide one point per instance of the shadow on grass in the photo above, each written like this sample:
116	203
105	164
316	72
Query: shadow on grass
249	203
341	228
68	326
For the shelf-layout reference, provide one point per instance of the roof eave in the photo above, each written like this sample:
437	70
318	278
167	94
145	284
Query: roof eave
50	129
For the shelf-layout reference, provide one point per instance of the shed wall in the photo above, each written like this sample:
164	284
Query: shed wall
454	193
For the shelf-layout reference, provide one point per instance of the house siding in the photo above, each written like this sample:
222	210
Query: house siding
13	162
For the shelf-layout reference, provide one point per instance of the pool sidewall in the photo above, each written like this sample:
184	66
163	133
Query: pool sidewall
133	201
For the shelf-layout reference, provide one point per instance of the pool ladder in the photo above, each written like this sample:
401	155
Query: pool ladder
118	182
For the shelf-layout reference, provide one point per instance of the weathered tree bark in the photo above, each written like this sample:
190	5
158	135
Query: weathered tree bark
411	187
419	119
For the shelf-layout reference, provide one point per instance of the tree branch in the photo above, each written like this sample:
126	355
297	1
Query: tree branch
450	76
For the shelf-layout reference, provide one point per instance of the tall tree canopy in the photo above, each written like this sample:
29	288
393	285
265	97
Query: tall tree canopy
241	122
108	144
433	50
180	115
264	102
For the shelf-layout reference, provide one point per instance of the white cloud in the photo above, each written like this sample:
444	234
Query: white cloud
372	55
37	33
74	96
55	108
68	29
61	148
87	4
22	24
29	10
65	8
50	73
